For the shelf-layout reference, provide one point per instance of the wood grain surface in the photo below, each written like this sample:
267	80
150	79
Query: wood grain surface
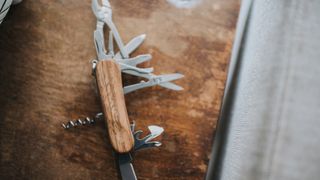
45	79
109	83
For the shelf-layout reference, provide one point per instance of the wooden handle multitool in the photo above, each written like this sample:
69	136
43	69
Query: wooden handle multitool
107	70
108	75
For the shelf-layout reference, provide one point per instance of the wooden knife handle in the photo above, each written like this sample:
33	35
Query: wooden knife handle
109	82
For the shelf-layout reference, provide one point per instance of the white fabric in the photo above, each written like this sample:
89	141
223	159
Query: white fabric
275	120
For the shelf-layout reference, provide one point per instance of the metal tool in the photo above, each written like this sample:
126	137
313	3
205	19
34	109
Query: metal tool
146	142
124	161
107	69
82	122
127	65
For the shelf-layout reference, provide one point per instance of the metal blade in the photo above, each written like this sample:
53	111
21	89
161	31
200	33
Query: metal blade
127	172
133	87
132	45
169	77
172	86
161	80
125	167
125	67
136	73
135	60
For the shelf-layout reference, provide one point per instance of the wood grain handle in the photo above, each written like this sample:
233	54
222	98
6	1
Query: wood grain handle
109	82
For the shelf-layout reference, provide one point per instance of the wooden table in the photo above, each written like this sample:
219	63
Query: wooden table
45	79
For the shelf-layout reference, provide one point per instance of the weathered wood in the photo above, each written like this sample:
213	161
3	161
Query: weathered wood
45	79
109	81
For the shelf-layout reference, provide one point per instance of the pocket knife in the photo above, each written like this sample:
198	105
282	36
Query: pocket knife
107	69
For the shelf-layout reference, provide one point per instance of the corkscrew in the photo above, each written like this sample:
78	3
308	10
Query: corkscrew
82	122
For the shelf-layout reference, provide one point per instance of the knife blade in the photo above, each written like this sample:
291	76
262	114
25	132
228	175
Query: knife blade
132	45
125	166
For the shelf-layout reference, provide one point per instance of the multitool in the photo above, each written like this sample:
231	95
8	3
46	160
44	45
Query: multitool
107	69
